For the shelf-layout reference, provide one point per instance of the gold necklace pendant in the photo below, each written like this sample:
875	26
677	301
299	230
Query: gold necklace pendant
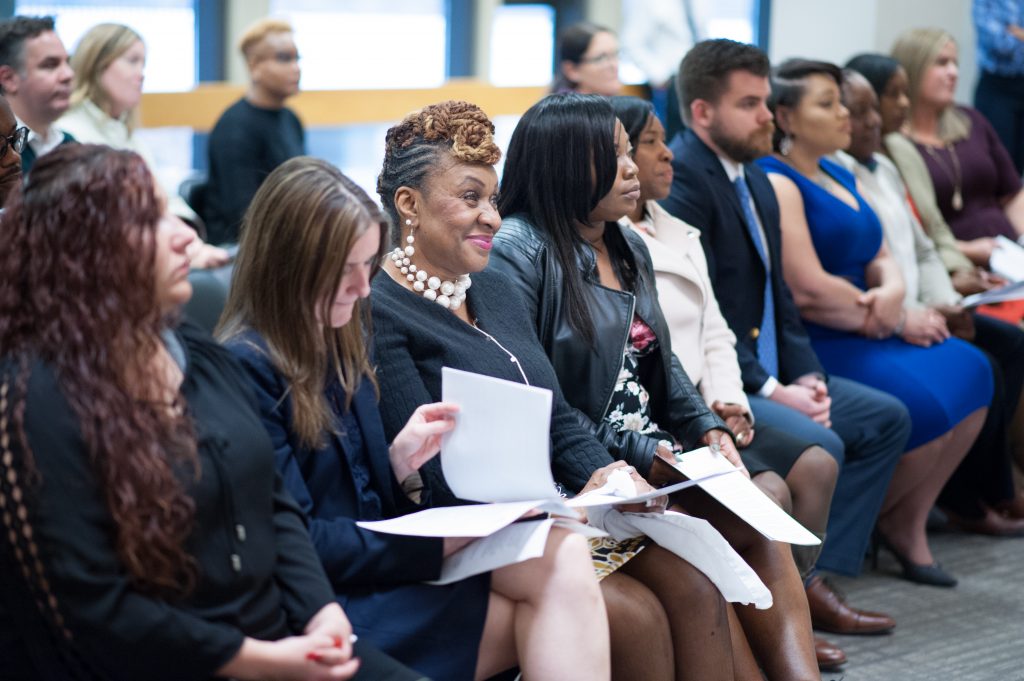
958	200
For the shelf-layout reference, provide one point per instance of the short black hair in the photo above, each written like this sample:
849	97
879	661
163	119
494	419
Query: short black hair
561	162
13	34
789	83
877	68
704	71
573	42
634	114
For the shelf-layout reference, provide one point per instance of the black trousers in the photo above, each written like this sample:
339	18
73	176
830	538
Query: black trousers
377	666
1001	100
985	474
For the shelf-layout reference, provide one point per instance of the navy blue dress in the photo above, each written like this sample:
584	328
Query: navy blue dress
377	577
940	385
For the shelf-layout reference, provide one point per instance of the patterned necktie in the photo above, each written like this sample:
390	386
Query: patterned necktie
767	349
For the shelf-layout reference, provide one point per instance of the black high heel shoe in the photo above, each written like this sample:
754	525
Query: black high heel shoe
932	575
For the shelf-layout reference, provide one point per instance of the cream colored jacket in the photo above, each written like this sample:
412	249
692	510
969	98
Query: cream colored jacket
701	338
89	124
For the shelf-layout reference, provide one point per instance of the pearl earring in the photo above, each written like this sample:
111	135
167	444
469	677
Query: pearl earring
449	294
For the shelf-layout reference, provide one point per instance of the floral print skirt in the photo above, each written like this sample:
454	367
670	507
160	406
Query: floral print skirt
608	555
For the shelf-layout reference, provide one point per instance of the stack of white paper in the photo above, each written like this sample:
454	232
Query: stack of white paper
498	454
1007	259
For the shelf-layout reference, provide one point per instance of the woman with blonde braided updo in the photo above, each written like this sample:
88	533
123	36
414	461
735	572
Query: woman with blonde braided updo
435	306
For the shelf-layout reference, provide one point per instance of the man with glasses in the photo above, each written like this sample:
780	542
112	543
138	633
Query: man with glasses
12	143
36	80
257	133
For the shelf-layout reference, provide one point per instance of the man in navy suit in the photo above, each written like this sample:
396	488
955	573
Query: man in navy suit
723	94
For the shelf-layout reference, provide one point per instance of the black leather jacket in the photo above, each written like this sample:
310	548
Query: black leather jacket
588	376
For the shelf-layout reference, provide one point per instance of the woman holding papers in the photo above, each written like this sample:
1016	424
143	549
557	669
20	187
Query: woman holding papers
433	306
701	338
590	293
797	473
311	241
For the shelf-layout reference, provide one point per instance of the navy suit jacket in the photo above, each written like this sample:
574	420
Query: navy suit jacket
322	482
703	196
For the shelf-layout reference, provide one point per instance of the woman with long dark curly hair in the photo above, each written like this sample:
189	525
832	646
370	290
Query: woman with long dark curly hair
146	534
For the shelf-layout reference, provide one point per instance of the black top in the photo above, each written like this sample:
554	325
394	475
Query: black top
348	479
703	196
258	573
415	337
246	144
588	374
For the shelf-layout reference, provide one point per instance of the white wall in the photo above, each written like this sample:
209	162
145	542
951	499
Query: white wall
835	30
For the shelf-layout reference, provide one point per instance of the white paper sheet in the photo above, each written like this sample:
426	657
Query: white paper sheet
499	448
695	541
484	519
742	497
611	495
513	544
464	521
1013	291
1007	259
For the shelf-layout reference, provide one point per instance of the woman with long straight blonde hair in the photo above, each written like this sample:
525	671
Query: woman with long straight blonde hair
310	243
109	62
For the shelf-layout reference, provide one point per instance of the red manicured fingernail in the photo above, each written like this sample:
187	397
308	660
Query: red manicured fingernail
313	655
337	641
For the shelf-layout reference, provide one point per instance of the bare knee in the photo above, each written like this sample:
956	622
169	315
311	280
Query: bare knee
675	582
775	487
567	561
636	618
564	572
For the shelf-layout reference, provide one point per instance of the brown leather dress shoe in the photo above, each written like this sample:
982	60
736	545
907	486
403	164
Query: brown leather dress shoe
830	612
991	523
830	656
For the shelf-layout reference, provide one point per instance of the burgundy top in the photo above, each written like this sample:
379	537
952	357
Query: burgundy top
988	181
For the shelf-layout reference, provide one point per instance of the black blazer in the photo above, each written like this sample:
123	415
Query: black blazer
703	196
258	573
323	482
588	375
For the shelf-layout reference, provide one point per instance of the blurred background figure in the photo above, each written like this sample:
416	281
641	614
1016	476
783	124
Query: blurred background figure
109	63
588	61
999	95
257	133
36	79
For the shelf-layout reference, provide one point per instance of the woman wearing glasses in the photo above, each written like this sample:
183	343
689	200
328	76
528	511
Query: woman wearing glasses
588	61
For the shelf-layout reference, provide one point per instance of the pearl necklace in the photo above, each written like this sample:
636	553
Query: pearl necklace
448	294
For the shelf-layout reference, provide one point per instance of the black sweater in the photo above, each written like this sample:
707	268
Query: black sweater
246	144
415	337
263	580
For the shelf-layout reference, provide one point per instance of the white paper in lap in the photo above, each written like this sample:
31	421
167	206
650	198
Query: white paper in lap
454	521
1007	259
695	541
499	448
512	544
743	497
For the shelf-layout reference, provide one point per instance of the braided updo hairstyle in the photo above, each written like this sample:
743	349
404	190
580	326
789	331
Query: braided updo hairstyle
424	138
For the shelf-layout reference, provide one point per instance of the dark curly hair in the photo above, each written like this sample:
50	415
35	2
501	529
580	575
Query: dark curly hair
415	146
78	292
